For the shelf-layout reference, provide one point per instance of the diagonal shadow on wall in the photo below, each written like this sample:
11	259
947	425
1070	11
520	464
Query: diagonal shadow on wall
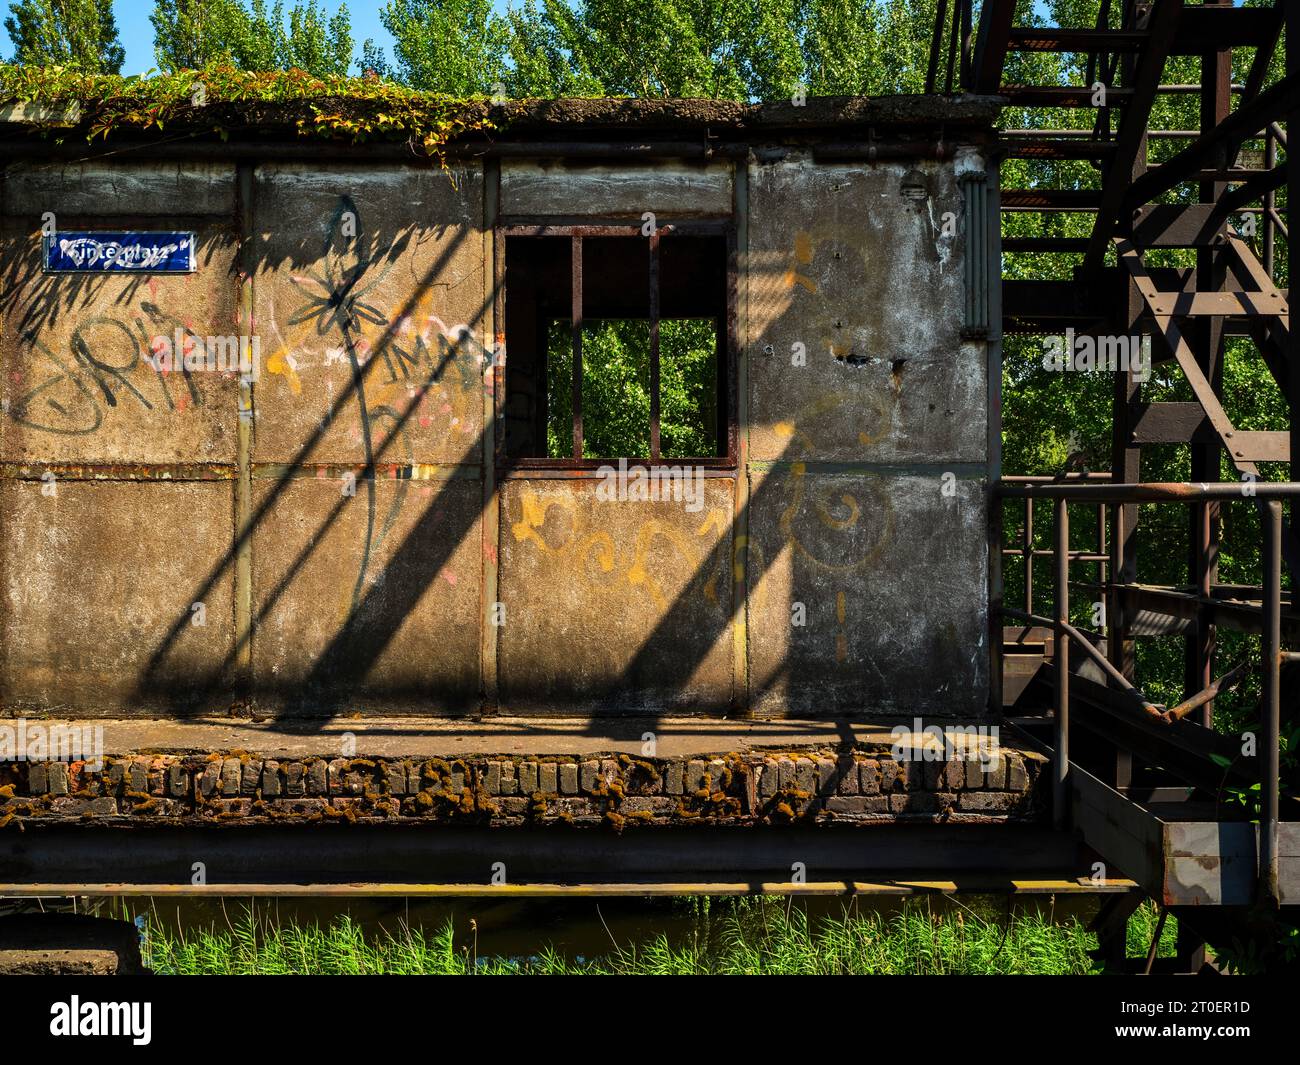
181	691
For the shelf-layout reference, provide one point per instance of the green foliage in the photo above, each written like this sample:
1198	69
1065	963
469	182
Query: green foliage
760	936
541	59
867	47
192	34
715	49
456	47
79	34
616	388
1247	798
1141	931
358	109
669	48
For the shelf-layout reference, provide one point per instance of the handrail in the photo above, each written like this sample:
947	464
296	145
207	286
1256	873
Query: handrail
1147	492
1064	493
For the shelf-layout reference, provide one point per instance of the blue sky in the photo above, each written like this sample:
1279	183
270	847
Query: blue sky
136	31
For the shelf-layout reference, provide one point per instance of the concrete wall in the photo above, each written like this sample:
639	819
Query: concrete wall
179	545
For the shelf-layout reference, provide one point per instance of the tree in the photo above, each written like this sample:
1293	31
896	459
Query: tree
717	49
542	60
71	33
313	42
721	49
189	34
840	42
457	47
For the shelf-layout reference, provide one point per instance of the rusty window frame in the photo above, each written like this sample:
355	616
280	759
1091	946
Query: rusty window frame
728	337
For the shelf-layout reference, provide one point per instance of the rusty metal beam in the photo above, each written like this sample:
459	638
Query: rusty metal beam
1147	492
992	43
1246	121
342	857
1131	138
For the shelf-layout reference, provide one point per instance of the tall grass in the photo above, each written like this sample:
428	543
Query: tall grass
735	936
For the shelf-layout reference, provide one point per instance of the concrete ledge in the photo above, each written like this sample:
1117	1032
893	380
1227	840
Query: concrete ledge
60	944
514	775
422	737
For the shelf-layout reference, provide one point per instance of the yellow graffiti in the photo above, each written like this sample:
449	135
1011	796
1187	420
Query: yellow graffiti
827	518
534	518
606	556
789	430
599	544
639	575
839	524
803	255
715	522
279	363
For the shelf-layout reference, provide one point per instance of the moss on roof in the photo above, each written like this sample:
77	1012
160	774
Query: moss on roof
221	100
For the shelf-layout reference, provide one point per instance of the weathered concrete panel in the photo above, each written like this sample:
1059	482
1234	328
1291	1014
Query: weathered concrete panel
77	387
865	283
100	583
673	189
118	188
889	577
367	597
363	603
614	607
326	300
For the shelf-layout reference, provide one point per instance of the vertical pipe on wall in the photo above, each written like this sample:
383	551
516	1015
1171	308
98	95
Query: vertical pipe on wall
494	268
244	481
982	321
736	345
1028	548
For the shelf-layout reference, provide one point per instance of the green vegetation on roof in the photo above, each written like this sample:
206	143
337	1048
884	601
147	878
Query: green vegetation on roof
356	109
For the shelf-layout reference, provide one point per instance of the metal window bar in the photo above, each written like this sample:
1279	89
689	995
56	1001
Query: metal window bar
576	323
576	231
654	345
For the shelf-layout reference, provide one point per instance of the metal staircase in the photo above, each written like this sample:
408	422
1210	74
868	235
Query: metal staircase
1145	786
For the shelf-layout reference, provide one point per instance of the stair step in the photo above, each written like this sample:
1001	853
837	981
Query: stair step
1076	245
1236	173
1051	39
1047	148
1050	199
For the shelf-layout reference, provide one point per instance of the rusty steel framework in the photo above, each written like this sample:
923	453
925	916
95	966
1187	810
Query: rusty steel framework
1177	842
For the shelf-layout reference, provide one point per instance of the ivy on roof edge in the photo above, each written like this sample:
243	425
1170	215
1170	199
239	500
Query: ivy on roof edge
357	109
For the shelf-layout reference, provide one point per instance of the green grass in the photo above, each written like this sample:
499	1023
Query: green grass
732	936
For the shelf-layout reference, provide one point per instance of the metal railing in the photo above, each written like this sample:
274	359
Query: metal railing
1091	491
1027	553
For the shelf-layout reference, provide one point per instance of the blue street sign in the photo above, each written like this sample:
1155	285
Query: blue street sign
118	253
